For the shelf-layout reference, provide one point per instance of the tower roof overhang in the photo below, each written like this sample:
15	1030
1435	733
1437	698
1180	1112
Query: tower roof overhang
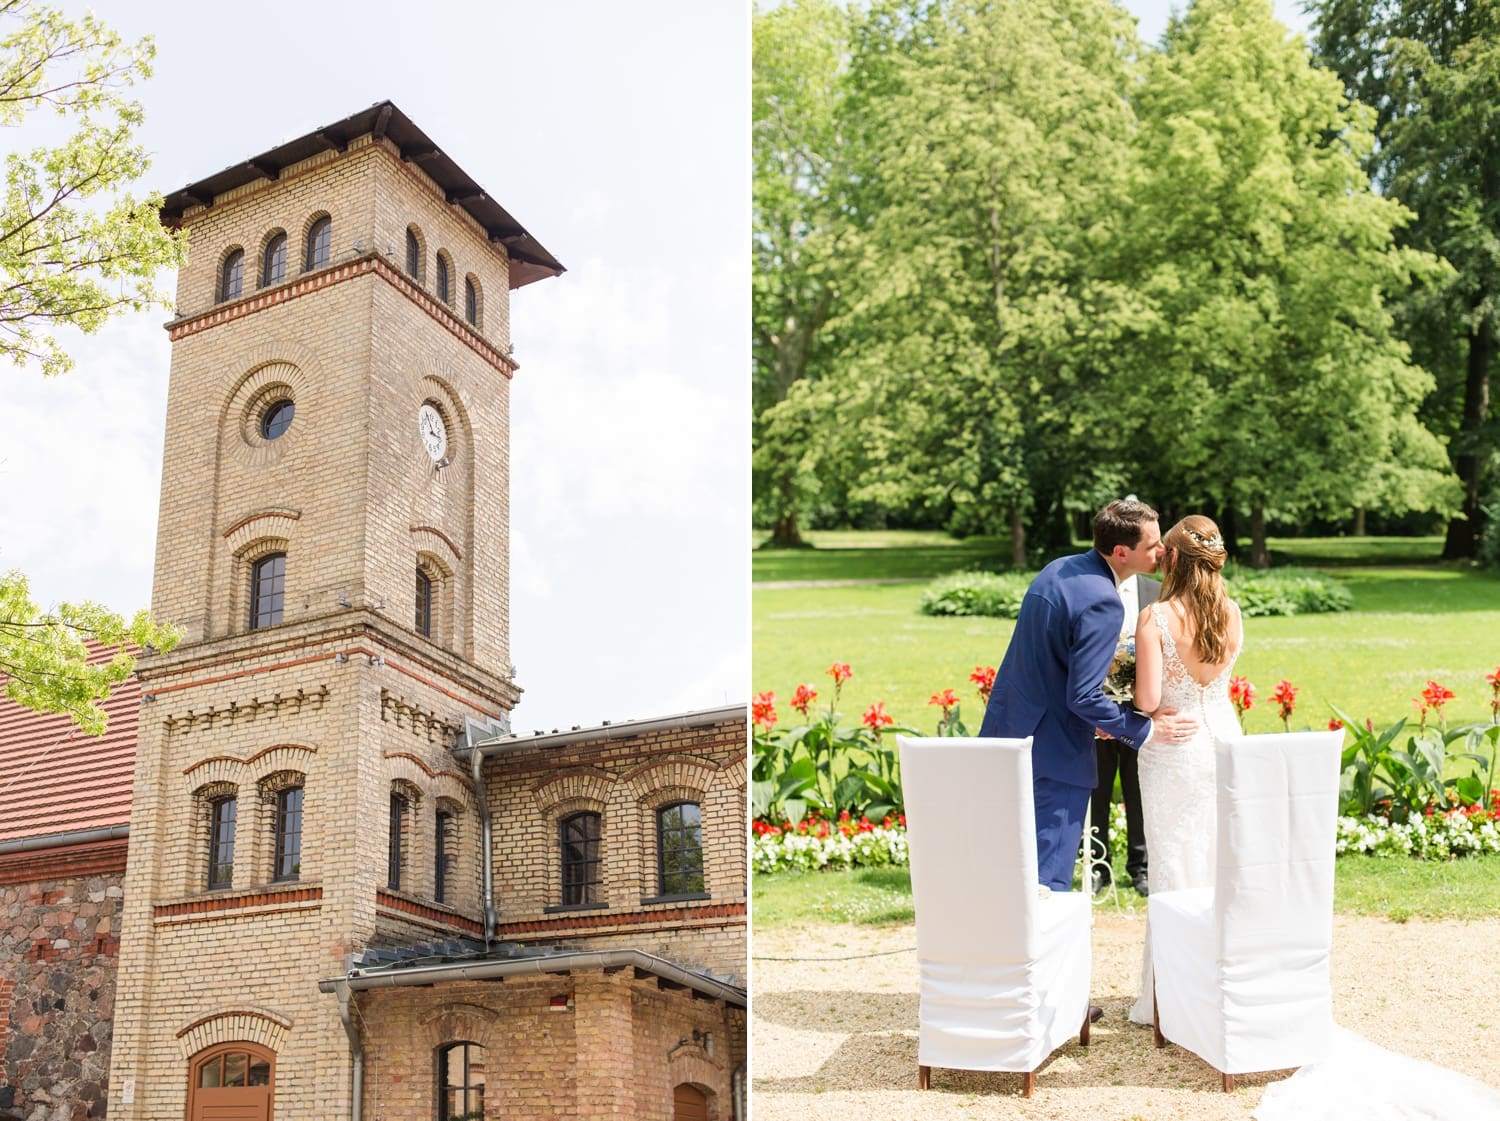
530	261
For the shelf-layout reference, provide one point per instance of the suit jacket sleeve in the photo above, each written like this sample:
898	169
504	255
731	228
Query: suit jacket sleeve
1095	637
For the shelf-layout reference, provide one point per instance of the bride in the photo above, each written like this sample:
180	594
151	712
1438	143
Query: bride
1186	645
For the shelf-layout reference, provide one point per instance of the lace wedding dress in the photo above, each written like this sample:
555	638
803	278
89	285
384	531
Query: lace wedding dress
1356	1078
1178	787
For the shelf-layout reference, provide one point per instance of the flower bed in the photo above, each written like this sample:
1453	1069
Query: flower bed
1435	836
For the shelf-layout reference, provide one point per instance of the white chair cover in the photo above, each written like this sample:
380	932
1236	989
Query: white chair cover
1242	968
1004	963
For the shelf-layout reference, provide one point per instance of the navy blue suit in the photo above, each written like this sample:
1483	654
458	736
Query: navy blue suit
1049	687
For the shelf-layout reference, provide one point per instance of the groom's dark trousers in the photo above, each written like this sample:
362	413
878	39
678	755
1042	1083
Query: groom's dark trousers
1116	759
1049	688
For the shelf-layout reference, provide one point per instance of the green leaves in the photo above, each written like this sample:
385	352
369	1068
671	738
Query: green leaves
44	655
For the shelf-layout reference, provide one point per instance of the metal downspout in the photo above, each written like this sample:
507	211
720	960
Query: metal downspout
356	1051
486	855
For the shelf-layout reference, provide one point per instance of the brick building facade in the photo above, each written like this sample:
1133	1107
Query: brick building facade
310	920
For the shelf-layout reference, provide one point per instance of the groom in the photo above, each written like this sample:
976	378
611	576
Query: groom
1049	686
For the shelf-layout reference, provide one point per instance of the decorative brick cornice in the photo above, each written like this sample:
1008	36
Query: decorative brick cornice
597	921
419	721
364	265
187	721
101	858
239	904
435	918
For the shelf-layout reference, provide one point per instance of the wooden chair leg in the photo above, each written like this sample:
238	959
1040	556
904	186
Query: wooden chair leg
1083	1033
1030	1084
924	1078
1229	1083
1160	1040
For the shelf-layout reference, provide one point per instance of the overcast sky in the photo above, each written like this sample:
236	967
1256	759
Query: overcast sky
618	135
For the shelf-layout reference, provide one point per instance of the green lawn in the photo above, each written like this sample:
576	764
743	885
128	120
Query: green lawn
1410	623
1395	888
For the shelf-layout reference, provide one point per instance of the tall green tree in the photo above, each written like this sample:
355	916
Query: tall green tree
1431	70
800	50
1271	375
991	169
76	249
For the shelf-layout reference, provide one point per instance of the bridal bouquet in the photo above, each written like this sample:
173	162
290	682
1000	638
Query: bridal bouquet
1119	683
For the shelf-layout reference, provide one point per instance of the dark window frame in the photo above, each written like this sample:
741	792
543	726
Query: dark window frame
442	281
395	859
471	301
232	276
288	830
423	620
442	860
223	812
579	843
267	592
277	418
470	1101
413	254
273	261
319	252
671	838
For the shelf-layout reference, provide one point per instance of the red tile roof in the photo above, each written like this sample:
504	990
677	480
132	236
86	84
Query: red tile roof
55	779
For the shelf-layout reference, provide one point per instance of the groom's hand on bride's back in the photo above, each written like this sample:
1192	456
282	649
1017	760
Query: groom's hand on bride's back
1171	726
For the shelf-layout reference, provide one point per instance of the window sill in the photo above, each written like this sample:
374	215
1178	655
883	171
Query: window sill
574	907
690	897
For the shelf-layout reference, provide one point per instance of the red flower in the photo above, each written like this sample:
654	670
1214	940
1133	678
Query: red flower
1242	694
1335	724
1437	696
803	697
947	698
1494	679
763	710
840	672
984	677
1285	697
876	716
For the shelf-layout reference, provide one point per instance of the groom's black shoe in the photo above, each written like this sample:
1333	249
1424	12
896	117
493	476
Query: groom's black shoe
1141	884
1095	1013
1098	881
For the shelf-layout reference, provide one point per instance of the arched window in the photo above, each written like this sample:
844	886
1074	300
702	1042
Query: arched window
441	282
221	815
679	849
471	302
231	276
319	243
288	835
424	604
461	1082
267	590
396	847
273	261
579	839
413	255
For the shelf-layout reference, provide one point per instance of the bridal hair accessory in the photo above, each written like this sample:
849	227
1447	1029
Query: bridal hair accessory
1214	544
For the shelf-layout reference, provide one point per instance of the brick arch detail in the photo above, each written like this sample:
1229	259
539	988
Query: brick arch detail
581	784
456	1021
675	771
430	541
277	757
271	526
734	774
279	760
218	770
253	1025
401	766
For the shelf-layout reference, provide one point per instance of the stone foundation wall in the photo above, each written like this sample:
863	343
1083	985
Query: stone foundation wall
59	950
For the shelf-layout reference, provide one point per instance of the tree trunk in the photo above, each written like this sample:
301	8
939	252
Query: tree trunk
1260	553
1464	530
1017	538
786	535
1359	521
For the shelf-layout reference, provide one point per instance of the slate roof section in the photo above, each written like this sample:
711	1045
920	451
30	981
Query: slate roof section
530	260
55	779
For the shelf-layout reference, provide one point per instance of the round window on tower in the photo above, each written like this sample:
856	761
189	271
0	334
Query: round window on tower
277	418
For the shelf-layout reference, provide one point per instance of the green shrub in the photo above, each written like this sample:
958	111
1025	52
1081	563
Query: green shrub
1287	591
996	594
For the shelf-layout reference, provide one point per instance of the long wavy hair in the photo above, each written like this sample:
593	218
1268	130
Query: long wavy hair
1192	574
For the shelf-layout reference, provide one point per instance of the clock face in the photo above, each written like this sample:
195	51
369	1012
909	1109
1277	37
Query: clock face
434	432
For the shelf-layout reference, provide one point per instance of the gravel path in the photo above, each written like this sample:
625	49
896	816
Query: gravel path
837	1039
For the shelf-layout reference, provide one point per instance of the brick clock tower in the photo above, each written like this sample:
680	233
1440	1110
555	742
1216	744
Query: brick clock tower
333	543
